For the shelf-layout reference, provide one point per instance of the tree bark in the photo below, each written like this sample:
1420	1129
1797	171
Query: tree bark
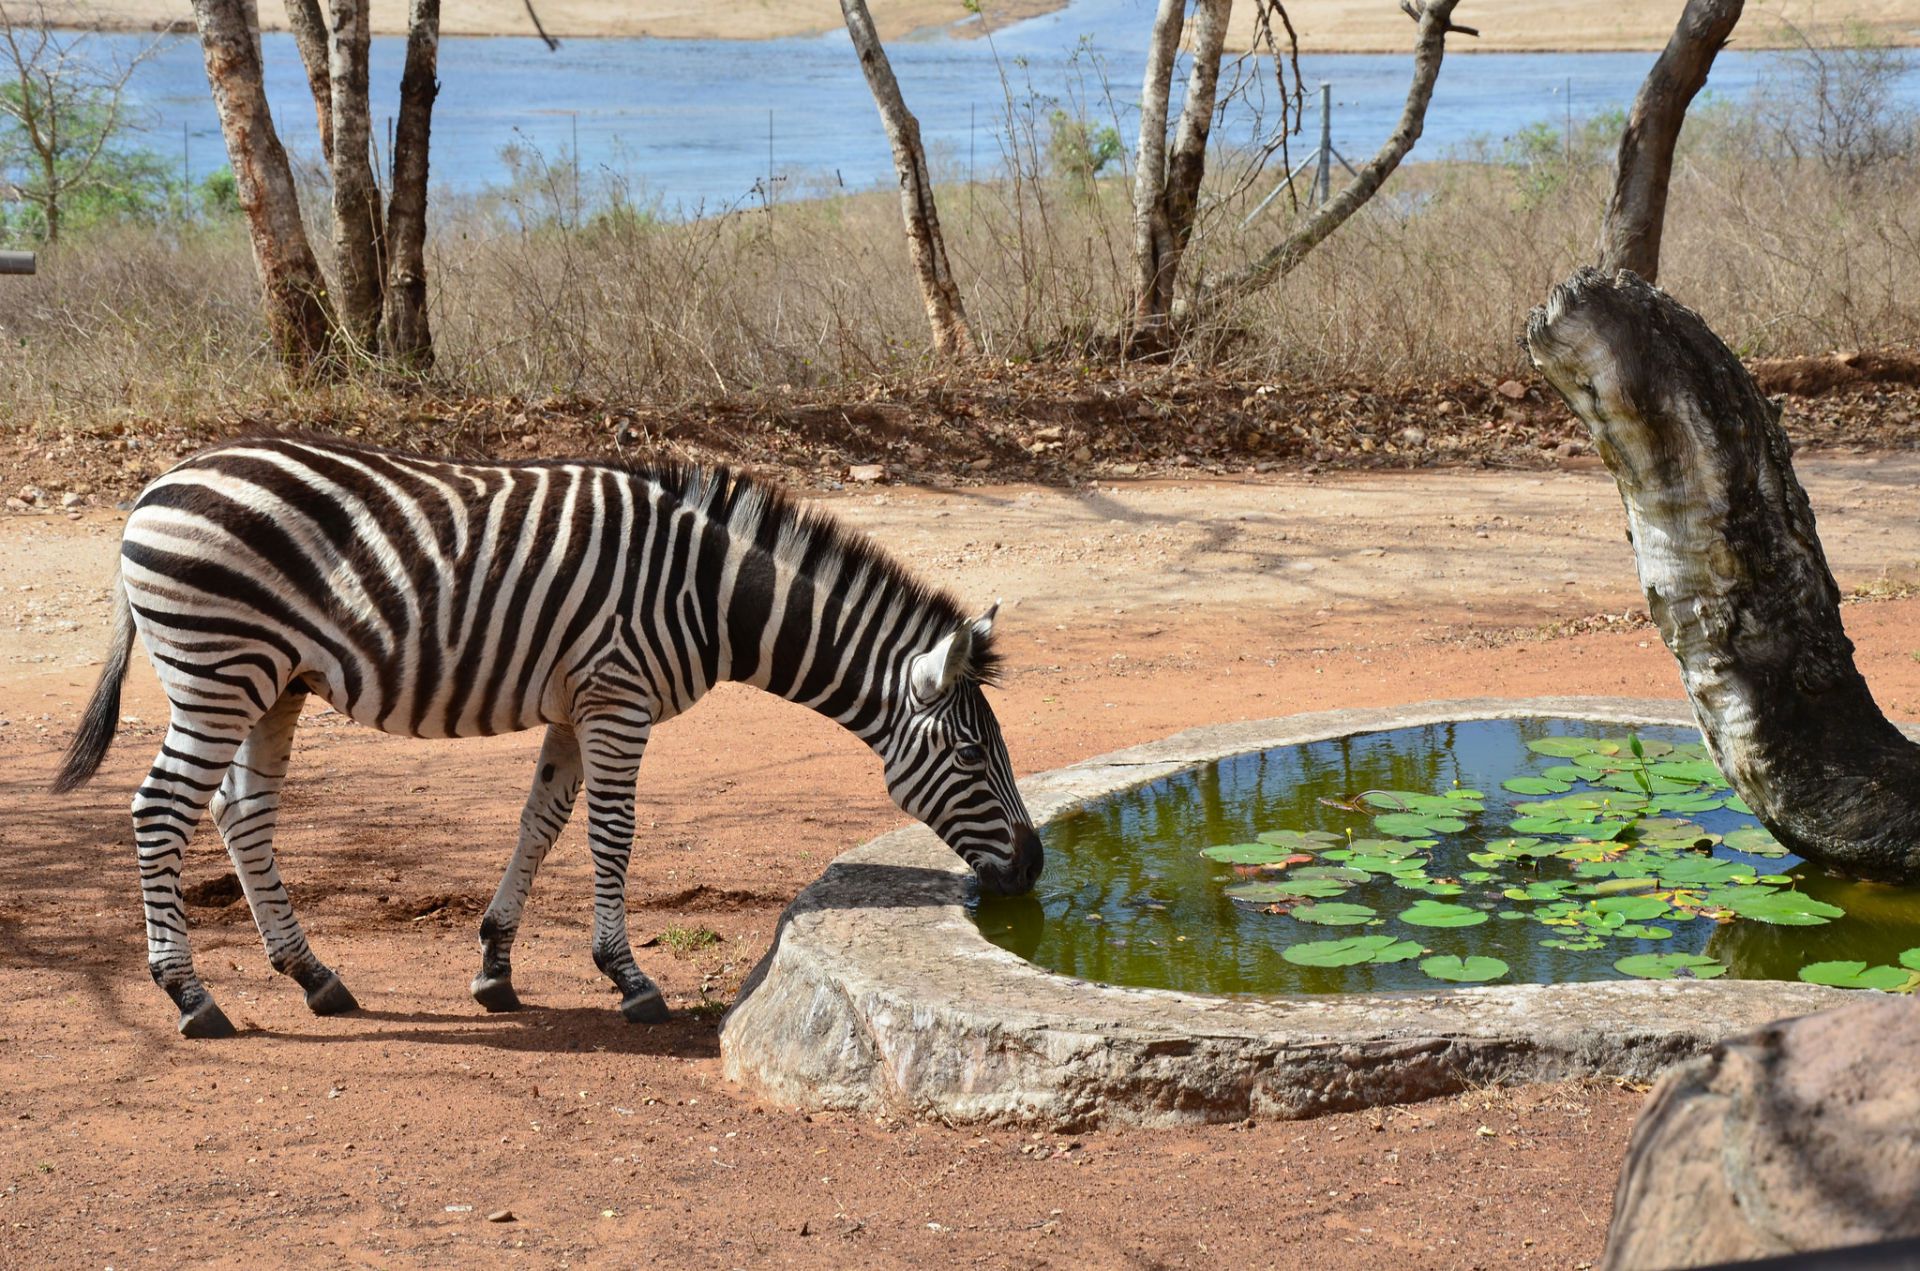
1166	190
296	309
409	341
358	234
309	28
1637	209
1435	21
1733	572
946	315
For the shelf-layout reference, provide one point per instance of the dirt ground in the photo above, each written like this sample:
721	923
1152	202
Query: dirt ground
399	1134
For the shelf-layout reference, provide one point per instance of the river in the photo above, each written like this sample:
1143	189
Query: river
697	125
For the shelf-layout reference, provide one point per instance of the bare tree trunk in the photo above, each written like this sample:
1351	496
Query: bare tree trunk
1733	572
309	28
1435	20
1166	188
296	310
408	339
1637	210
946	316
358	233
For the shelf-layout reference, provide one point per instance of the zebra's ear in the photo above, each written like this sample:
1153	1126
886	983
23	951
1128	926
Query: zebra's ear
982	626
934	672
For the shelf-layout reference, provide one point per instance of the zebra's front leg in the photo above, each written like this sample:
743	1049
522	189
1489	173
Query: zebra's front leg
246	809
166	808
611	746
549	803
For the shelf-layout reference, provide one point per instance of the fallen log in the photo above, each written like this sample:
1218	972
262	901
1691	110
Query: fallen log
1733	572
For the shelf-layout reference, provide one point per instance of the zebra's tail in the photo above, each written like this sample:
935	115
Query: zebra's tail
95	734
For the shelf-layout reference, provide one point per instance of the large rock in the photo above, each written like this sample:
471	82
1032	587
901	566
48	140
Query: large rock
1804	1135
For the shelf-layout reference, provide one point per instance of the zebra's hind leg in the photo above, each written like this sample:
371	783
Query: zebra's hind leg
556	783
246	809
192	760
611	746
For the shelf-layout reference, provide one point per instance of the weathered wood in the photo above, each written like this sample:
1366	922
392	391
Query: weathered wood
946	315
1637	209
359	247
1167	199
408	338
1436	22
1733	572
298	320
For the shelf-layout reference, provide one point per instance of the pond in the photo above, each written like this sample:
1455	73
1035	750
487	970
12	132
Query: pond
1484	851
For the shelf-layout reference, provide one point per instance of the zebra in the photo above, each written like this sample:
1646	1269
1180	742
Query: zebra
434	598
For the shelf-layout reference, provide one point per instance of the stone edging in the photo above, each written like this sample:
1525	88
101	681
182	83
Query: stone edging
880	995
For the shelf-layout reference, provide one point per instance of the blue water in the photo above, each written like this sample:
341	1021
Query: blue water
686	122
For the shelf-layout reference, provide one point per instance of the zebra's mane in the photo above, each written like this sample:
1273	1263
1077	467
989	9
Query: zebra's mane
807	536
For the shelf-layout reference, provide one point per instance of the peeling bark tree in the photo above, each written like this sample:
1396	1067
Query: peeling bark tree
1637	209
1435	20
296	309
1733	572
408	340
309	28
1166	187
358	231
946	316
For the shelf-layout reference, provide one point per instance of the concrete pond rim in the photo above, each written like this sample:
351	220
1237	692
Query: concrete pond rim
880	995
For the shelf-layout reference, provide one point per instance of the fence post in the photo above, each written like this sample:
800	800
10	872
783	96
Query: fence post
1323	181
17	263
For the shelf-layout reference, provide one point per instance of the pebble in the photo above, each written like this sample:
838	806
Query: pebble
502	1215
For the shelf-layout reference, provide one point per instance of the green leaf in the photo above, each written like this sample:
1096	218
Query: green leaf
1858	975
1552	825
1563	747
1248	853
1632	908
1287	892
1334	913
1535	785
1670	966
1703	871
1779	908
1299	840
1339	872
1352	951
1911	959
1571	772
1755	840
1693	771
1738	804
1438	913
1417	824
1464	970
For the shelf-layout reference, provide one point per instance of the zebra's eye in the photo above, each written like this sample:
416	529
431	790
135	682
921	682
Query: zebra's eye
970	755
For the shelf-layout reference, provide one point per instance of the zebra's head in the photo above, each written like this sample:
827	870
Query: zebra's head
947	765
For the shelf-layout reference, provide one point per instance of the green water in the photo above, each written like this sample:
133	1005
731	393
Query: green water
1128	898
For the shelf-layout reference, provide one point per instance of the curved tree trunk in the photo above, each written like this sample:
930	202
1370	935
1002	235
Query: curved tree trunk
408	338
1435	20
298	320
946	316
1637	209
1733	572
358	234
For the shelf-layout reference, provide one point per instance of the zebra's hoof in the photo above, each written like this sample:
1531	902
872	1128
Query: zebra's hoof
645	1007
331	998
206	1020
495	994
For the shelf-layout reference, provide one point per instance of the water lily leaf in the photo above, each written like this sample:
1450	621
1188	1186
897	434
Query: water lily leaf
1911	959
1287	892
1463	970
1298	840
1390	847
1755	840
1553	825
1578	945
1513	915
1438	913
1340	872
1858	975
1693	771
1417	824
1431	886
1535	785
1618	886
1571	772
1572	807
1635	780
1352	951
1563	747
1703	871
1670	966
1334	913
1477	876
1779	908
1687	803
1453	803
1267	854
1551	889
1738	804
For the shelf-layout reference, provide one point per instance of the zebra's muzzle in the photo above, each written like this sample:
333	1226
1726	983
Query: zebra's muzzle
1016	876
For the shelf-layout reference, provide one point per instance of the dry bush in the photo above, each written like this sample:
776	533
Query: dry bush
535	297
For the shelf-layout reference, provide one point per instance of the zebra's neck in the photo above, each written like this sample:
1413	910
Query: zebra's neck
818	616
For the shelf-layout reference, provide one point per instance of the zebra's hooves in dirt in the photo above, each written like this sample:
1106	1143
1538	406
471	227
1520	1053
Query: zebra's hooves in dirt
495	994
331	998
645	1007
206	1020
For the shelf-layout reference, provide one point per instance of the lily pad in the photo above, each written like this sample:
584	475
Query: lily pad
1858	975
1417	824
1335	913
1536	785
1298	840
1554	825
1670	966
1251	854
1463	970
1285	893
1632	908
1438	913
1352	951
1779	908
1564	747
1755	840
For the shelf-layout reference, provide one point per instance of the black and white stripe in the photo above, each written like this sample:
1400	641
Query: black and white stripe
442	599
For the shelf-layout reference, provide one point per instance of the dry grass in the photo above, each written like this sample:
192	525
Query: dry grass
1432	282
